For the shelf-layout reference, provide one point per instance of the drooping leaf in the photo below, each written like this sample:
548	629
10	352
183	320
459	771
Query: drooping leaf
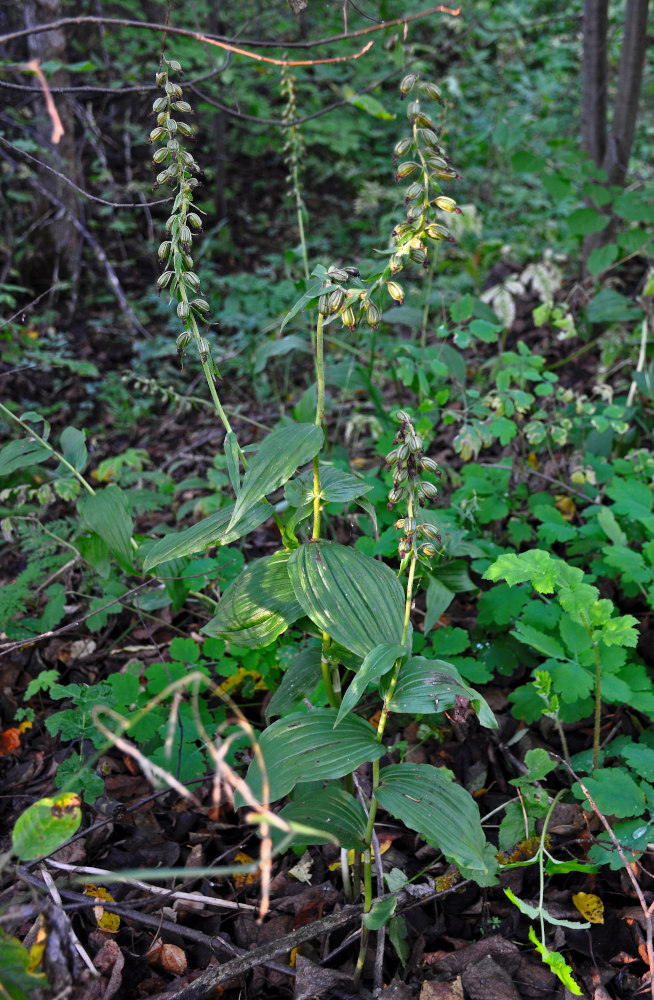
533	912
380	913
335	485
333	810
258	605
377	663
73	446
444	813
557	963
45	826
428	686
300	681
232	456
281	454
355	599
106	512
304	747
213	530
21	454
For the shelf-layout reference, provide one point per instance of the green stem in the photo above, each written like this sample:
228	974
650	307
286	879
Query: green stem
320	416
541	866
46	444
598	692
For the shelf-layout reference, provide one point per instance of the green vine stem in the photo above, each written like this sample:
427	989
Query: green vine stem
597	721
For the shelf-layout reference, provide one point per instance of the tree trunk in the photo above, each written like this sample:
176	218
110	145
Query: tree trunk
594	80
630	76
60	241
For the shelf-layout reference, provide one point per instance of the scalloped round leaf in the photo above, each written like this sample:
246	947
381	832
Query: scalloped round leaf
444	813
46	826
258	605
304	747
355	599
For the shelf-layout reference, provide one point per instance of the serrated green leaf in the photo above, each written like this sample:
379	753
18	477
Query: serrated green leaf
46	826
355	599
333	810
304	747
280	455
544	643
557	964
535	566
428	686
107	513
258	605
444	813
377	663
621	631
213	530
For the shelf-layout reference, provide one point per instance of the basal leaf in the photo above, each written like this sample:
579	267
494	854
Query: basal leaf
444	813
258	605
281	454
355	599
428	686
106	512
304	747
213	530
333	810
377	663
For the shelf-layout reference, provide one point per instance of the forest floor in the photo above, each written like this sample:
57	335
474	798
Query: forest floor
462	941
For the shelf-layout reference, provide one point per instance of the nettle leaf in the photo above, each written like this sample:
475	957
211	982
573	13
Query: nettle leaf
640	758
378	662
258	605
281	454
425	687
446	815
572	680
545	644
216	529
332	810
355	599
107	513
614	792
535	566
633	500
305	747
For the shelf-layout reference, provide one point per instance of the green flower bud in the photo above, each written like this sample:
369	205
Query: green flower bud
402	147
194	220
201	305
405	169
373	314
164	279
403	452
429	531
403	417
396	264
159	104
164	249
395	291
175	66
185	234
349	319
395	494
184	129
336	299
430	137
436	232
413	110
429	465
400	475
423	120
414	191
446	204
353	272
182	106
337	273
323	305
183	340
408	83
160	79
156	133
160	156
183	310
430	90
427	490
418	256
427	549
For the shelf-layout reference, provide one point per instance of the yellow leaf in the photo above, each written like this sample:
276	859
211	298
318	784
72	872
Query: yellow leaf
247	878
565	506
109	922
533	460
591	907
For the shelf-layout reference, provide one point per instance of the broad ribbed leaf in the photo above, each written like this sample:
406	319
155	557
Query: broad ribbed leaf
333	810
304	747
282	452
300	681
258	605
106	513
335	485
21	454
377	663
355	599
212	530
445	814
428	686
